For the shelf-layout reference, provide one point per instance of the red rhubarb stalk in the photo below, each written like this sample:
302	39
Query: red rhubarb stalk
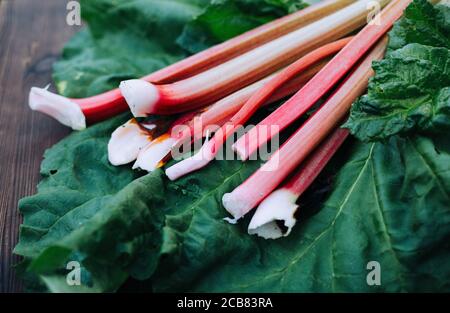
321	83
280	206
75	112
284	161
211	148
145	98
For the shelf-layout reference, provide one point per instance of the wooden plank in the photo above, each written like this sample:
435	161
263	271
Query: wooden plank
32	34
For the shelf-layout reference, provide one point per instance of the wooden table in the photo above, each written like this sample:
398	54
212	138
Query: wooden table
32	34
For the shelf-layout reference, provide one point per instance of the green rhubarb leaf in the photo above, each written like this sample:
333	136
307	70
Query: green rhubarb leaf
91	212
410	92
422	23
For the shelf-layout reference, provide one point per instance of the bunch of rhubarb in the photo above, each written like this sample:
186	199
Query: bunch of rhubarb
75	113
203	100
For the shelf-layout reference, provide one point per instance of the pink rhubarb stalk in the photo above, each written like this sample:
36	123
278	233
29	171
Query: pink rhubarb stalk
321	83
280	206
211	148
284	161
145	98
76	112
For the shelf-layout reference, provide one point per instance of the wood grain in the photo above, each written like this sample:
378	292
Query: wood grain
32	34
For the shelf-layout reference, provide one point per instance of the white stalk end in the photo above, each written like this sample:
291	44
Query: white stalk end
126	142
60	108
277	207
194	163
235	205
152	156
140	95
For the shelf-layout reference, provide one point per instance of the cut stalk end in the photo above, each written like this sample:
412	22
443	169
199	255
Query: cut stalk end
126	142
60	108
140	95
276	210
234	205
154	155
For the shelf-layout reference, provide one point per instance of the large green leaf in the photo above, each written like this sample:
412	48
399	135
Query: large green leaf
410	92
424	24
89	211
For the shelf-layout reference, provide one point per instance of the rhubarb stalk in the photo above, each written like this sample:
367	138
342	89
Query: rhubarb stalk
76	112
284	161
274	218
211	147
145	98
321	83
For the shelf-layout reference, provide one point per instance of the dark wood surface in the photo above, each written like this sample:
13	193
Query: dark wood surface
32	34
